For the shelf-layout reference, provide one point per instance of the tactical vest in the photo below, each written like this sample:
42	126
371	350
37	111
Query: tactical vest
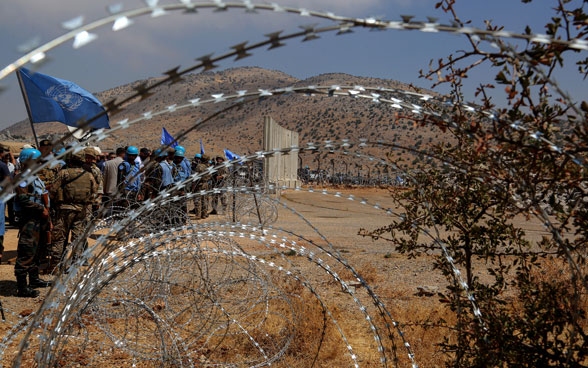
47	175
77	186
200	168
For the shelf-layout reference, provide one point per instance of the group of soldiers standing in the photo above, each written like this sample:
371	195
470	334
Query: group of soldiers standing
56	203
61	199
172	167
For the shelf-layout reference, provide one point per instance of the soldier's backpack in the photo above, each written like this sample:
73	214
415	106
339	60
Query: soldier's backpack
77	186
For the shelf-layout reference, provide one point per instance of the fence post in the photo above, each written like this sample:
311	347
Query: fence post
234	200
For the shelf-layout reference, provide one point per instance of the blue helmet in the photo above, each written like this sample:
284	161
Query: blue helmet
180	148
28	154
179	153
158	153
60	151
198	155
132	150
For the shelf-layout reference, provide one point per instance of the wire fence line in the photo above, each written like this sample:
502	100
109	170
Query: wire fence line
365	177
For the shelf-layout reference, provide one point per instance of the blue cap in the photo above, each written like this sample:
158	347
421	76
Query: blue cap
62	150
158	153
198	155
180	148
132	150
28	154
179	153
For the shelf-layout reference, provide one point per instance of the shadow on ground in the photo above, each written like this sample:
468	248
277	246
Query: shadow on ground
7	287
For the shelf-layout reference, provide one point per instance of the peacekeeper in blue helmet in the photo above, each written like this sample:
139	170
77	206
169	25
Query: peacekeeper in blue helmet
31	211
184	166
184	173
129	177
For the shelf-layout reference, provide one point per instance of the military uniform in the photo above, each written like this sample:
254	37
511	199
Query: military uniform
153	180
97	174
31	212
74	189
218	180
184	171
47	175
94	169
201	201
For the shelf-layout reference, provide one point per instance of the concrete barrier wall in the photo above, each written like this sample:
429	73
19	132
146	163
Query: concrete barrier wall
280	169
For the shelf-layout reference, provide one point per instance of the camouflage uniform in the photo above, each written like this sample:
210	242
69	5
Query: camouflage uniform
47	175
201	202
218	181
29	206
94	169
97	174
74	190
153	179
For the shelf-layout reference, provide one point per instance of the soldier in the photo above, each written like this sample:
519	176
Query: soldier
184	166
154	176
90	166
218	181
74	189
129	177
4	175
31	211
47	175
201	202
170	173
183	174
144	156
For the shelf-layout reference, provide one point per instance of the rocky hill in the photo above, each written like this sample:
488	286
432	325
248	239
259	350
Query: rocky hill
316	118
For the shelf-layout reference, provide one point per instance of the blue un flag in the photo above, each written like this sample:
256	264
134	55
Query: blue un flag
54	99
231	156
167	139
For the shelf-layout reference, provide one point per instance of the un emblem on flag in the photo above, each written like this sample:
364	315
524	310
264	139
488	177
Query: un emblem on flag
67	100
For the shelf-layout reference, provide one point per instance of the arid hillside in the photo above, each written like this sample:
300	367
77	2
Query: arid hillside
316	118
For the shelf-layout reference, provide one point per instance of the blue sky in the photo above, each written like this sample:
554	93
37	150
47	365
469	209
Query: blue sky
153	45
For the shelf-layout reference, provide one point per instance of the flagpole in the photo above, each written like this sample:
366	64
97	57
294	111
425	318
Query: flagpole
26	100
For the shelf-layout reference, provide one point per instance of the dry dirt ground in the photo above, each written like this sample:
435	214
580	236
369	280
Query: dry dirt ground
393	276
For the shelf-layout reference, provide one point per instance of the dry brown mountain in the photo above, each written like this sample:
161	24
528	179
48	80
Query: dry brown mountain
316	118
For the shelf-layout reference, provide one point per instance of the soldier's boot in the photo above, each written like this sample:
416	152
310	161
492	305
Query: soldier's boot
53	265
24	291
35	281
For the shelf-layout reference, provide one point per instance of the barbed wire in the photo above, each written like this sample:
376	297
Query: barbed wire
182	291
122	19
275	40
327	145
240	96
311	147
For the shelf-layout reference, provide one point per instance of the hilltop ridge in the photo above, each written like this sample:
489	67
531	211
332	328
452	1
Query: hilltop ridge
315	118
